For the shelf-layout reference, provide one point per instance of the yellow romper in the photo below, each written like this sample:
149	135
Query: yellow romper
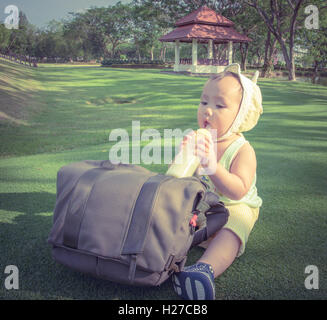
243	213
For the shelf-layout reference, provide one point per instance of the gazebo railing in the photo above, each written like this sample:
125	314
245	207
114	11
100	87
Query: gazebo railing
185	61
212	62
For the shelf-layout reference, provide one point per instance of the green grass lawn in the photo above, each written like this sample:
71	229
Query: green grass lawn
55	115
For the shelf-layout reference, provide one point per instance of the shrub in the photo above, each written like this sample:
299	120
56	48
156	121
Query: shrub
109	62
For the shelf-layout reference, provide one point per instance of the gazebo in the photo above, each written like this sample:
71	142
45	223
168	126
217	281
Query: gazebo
203	26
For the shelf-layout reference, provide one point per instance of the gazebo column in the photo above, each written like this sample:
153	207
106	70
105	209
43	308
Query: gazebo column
230	52
194	54
210	49
177	55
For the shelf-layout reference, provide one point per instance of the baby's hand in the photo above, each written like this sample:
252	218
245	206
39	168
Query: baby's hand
189	138
206	152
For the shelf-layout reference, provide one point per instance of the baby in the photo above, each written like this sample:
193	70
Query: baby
230	104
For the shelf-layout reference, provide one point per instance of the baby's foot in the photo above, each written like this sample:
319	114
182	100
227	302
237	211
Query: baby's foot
195	282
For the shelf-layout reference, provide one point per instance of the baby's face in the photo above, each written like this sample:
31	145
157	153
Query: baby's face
219	105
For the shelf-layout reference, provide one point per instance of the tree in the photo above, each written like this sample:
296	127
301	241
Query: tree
263	44
51	42
315	41
281	16
257	46
4	37
146	29
270	51
115	25
76	34
18	37
100	31
246	23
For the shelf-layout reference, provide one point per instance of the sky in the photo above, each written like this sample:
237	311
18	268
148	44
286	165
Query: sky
40	12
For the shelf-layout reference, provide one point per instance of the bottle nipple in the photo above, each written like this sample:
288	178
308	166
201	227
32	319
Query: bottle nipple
203	131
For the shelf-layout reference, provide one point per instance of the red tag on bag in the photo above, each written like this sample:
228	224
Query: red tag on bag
193	220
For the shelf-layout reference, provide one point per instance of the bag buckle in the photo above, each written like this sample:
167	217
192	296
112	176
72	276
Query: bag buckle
172	265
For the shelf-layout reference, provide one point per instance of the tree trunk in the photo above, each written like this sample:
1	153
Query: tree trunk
315	72
265	70
206	48
219	52
137	44
244	54
113	50
138	51
259	57
270	49
289	60
224	52
216	51
291	75
107	53
151	52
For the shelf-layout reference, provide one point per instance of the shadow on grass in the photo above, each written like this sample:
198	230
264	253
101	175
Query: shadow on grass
24	242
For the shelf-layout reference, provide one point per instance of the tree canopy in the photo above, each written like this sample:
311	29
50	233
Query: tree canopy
133	30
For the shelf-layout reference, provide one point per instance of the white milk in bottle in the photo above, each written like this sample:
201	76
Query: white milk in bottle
185	163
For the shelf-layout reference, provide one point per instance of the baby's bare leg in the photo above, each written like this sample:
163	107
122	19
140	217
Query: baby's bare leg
221	251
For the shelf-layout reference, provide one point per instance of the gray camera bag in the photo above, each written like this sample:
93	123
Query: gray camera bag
126	224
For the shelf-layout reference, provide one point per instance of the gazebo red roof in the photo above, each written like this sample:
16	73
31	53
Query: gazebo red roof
206	16
204	24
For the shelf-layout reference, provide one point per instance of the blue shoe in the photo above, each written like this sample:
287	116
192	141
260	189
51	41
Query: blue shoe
195	282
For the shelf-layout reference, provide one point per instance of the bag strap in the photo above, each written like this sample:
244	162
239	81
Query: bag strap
216	216
140	221
77	205
141	215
